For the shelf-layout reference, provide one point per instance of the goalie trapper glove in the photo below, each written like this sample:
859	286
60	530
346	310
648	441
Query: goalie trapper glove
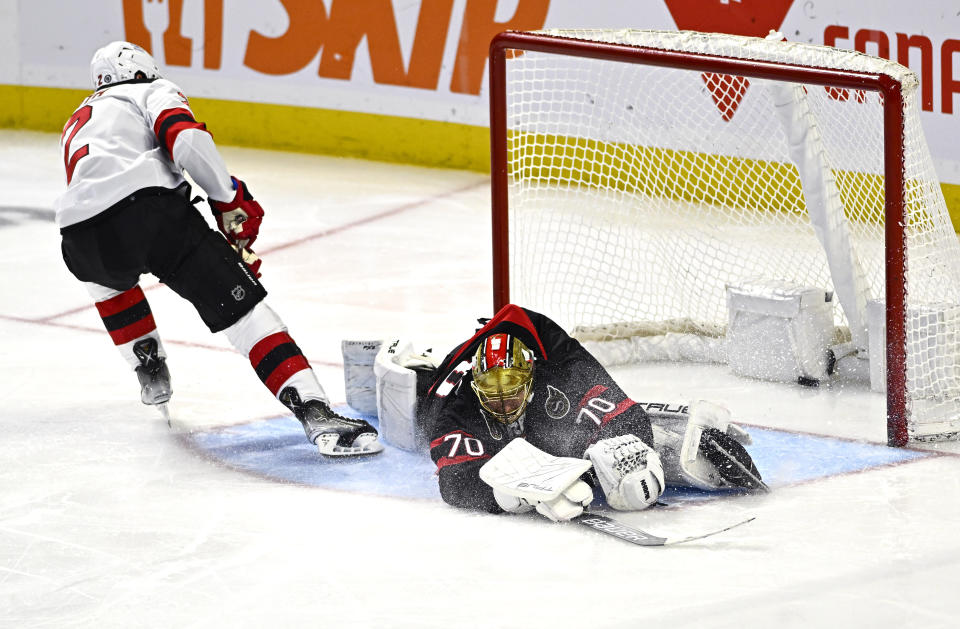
239	219
629	471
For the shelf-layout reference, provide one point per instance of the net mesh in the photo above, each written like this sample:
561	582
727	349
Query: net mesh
638	193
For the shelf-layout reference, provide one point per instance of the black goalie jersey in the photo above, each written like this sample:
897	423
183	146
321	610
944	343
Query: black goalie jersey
575	403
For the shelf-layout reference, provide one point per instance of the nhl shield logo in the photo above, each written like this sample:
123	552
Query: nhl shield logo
238	293
556	405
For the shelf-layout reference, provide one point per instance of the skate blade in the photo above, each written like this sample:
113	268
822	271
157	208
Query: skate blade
165	411
364	445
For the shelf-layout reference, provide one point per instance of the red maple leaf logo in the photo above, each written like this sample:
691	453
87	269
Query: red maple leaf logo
753	18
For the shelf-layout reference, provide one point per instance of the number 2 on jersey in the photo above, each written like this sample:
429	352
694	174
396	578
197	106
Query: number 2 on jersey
79	118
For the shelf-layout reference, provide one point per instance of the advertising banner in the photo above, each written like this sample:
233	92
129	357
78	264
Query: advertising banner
426	59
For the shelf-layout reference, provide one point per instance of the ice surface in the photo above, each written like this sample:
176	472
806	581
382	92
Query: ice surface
108	518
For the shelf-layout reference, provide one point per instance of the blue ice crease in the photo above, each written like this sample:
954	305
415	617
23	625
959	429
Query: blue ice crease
276	449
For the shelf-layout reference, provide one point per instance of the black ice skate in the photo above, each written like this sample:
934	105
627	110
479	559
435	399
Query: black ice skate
154	375
333	434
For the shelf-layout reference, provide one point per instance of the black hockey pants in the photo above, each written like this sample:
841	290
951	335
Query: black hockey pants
158	231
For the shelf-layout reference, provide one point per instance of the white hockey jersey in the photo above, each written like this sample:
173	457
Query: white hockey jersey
121	139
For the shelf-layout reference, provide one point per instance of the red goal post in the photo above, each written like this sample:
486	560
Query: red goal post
510	45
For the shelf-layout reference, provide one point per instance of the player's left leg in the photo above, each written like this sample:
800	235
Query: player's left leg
107	255
129	321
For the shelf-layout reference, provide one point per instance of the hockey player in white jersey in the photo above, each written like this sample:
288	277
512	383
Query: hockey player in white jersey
127	211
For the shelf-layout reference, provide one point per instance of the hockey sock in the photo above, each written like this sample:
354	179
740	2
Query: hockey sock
274	356
128	318
306	384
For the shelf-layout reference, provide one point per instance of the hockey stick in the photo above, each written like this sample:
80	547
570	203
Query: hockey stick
617	529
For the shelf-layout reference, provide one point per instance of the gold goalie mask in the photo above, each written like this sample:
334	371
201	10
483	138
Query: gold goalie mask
503	377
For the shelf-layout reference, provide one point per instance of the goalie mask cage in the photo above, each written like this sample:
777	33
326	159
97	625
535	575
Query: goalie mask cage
637	174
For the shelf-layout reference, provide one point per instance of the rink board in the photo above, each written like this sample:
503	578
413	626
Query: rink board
276	449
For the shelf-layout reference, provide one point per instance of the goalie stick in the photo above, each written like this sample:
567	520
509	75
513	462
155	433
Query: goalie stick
608	525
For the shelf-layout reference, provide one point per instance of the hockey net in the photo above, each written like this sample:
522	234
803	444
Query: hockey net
637	175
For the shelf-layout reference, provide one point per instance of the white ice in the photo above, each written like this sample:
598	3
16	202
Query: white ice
107	519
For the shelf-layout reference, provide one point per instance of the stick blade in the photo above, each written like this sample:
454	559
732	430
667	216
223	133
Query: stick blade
683	540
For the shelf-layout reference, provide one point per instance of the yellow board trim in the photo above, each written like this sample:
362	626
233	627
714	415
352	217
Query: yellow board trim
352	134
285	128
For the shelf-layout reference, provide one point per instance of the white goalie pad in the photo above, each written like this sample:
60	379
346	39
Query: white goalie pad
779	331
395	369
359	380
525	471
697	470
676	433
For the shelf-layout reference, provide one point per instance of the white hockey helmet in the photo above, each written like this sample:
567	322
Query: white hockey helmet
121	61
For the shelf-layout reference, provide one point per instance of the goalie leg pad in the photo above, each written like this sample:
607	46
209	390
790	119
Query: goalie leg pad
704	449
731	460
400	374
359	378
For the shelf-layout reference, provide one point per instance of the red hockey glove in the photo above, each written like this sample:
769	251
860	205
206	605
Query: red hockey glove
240	219
249	258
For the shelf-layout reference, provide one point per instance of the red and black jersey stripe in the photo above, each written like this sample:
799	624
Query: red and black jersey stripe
622	407
171	122
127	316
275	358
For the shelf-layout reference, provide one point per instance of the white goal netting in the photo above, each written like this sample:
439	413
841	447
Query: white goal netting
637	194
